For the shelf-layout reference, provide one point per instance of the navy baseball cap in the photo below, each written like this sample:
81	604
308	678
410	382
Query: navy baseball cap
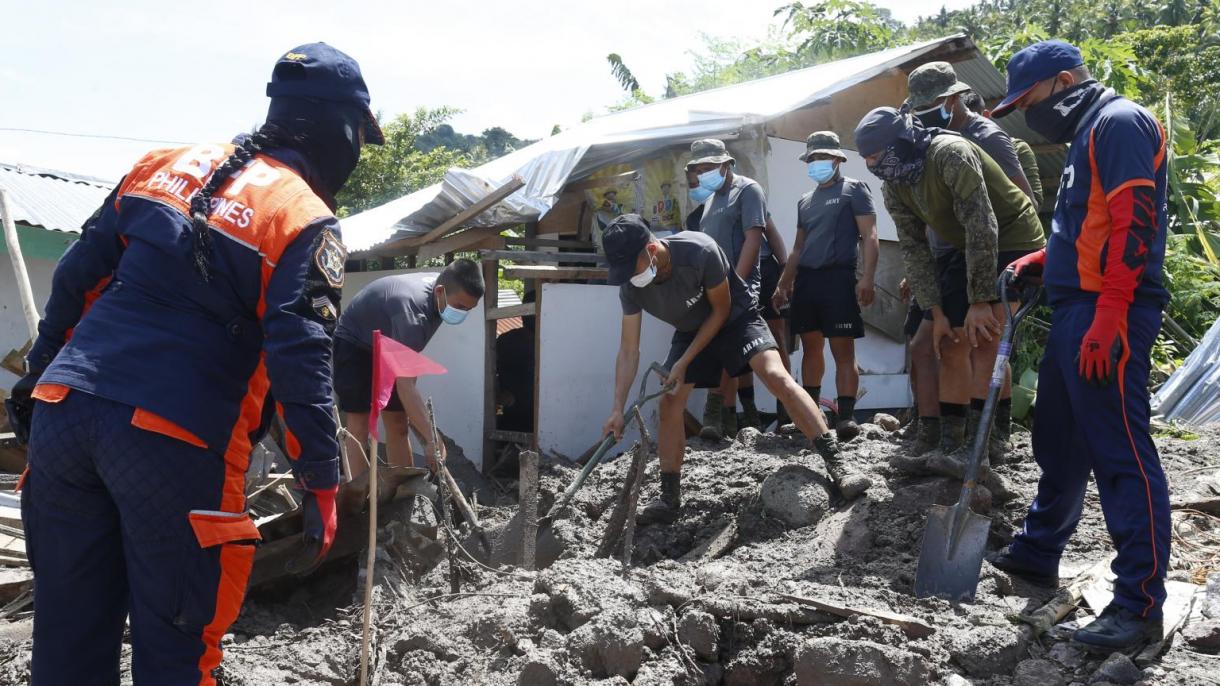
320	72
622	242
1036	63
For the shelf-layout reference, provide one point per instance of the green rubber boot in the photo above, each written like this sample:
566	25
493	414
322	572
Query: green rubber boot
711	417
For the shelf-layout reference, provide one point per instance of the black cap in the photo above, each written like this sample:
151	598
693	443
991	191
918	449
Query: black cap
622	241
320	72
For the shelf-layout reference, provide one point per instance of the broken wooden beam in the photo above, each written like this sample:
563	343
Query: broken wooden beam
542	257
479	207
554	273
913	627
522	310
528	485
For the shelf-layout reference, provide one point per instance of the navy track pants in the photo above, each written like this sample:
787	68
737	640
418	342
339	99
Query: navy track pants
1078	430
123	521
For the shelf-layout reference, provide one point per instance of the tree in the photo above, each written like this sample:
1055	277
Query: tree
833	29
620	71
389	171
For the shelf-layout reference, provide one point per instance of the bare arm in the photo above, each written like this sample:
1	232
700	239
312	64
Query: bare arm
870	248
417	411
749	252
783	290
776	242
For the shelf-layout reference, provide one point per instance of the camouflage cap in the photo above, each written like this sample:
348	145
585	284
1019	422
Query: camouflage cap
932	81
708	151
822	143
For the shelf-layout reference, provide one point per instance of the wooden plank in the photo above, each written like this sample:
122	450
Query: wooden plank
541	257
911	626
491	301
550	273
502	436
482	205
534	243
537	356
462	241
617	181
522	310
528	488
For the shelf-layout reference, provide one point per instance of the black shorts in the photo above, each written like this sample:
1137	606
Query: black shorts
825	300
951	277
915	317
770	280
730	351
354	378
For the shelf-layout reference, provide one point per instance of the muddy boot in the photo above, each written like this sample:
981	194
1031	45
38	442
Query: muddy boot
914	465
952	433
954	464
847	428
750	416
910	430
711	417
997	443
928	437
728	421
849	482
664	509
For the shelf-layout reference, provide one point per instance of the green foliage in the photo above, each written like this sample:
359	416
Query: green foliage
399	167
834	29
1186	60
1195	285
620	71
1194	187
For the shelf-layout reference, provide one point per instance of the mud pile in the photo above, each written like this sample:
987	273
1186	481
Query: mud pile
716	597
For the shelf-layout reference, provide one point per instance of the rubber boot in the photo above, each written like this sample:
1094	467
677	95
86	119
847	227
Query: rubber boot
953	462
910	430
928	437
728	421
711	417
849	482
1005	561
847	428
1117	629
952	434
665	508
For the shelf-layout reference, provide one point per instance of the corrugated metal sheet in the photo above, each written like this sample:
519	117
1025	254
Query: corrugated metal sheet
51	199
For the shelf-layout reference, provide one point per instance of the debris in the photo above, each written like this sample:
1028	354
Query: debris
1117	669
1037	673
839	662
701	632
528	510
797	495
986	651
1203	634
886	421
911	626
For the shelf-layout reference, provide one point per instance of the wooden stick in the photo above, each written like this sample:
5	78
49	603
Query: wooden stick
911	626
370	561
455	582
19	271
633	495
528	483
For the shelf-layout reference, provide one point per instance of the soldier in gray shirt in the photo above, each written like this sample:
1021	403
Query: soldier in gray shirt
408	308
685	280
735	217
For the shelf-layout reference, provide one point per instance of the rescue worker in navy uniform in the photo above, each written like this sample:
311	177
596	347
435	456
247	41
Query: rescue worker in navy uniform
211	279
1102	268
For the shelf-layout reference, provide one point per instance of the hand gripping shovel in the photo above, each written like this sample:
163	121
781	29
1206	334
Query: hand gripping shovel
956	537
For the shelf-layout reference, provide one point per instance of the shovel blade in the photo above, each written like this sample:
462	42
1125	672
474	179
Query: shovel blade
949	563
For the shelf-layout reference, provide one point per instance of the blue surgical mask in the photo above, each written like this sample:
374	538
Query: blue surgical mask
711	179
821	171
452	315
699	194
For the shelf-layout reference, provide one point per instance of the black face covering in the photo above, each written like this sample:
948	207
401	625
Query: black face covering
934	119
328	135
1057	117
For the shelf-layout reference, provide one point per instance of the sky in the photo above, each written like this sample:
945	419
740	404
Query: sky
181	73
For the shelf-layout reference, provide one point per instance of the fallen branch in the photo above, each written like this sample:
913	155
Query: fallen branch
911	626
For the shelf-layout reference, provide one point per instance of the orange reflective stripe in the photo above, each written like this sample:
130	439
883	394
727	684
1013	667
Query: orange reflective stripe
143	419
237	453
215	528
291	444
236	560
50	392
25	473
1094	231
1133	183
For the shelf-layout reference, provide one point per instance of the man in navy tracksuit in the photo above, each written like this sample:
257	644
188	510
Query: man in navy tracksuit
208	282
1102	269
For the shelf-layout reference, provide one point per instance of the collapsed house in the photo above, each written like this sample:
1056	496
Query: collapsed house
563	189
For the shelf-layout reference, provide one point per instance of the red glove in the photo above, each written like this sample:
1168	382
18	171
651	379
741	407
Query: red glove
1029	267
321	519
1102	345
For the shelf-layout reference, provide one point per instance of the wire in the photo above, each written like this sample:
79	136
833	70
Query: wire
132	139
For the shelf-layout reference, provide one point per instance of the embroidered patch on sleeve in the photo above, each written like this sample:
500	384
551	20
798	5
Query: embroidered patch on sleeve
330	257
324	307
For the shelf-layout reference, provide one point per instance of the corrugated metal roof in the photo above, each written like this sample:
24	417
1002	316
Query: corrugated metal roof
49	199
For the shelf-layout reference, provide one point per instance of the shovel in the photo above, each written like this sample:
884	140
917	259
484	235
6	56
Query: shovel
954	541
508	541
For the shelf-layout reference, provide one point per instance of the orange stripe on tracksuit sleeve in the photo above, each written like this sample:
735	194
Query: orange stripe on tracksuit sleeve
1094	231
236	561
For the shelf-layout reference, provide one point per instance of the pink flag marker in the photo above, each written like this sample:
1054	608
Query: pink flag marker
392	360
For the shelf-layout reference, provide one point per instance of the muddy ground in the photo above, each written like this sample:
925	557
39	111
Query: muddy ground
686	614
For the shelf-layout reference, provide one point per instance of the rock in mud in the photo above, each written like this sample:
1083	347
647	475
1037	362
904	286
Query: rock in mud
796	495
540	670
1203	635
886	421
1117	669
829	661
572	592
701	632
1037	673
988	650
610	645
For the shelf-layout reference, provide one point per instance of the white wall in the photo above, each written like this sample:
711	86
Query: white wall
14	332
458	395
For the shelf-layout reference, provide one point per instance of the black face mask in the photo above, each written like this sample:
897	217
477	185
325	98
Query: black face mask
1057	117
328	134
900	162
935	119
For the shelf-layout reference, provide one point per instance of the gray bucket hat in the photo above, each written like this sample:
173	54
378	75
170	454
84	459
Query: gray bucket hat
823	143
708	151
932	81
